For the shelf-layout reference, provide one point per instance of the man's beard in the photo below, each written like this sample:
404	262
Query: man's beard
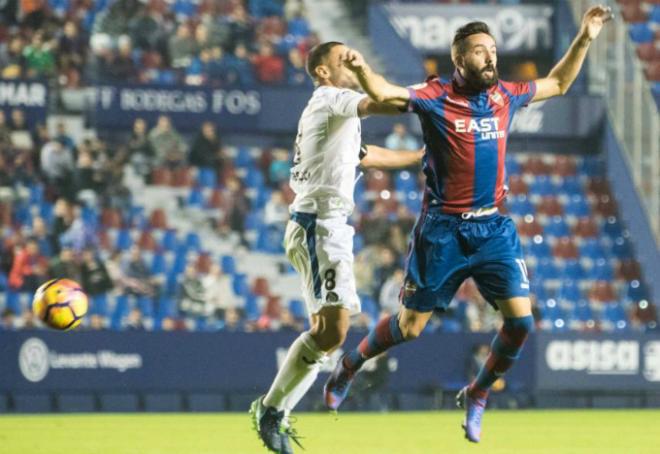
476	79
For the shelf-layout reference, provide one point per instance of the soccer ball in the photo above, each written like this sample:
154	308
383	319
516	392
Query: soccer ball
60	304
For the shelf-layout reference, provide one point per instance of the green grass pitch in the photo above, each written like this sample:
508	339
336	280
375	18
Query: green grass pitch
519	432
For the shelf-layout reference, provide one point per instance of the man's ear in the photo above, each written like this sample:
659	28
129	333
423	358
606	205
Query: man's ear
322	72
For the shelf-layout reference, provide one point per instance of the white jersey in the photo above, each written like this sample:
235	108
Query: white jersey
327	153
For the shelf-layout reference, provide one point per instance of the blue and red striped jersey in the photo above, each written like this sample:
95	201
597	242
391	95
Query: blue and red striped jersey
465	133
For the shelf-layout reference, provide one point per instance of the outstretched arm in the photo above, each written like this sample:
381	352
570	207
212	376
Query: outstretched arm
563	75
375	85
383	158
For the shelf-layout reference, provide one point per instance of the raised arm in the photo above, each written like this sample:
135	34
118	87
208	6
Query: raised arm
385	159
375	85
562	76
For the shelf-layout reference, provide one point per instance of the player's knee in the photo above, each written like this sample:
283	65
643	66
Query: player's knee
411	331
329	337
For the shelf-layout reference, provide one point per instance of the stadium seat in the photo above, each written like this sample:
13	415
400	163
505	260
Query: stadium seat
636	291
550	206
557	227
641	33
577	206
99	305
124	240
405	181
573	269
614	316
228	264
542	185
517	185
571	185
547	269
539	248
240	284
569	290
297	309
193	241
621	248
629	270
252	311
591	248
520	205
564	166
586	228
565	248
195	198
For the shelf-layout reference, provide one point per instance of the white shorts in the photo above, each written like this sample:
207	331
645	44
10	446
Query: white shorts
321	250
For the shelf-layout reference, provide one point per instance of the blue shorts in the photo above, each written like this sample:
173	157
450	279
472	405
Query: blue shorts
446	249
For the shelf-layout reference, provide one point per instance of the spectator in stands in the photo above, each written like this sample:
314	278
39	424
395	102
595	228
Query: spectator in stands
192	297
7	320
148	28
39	57
400	139
233	320
279	168
29	268
375	225
5	131
268	66
47	242
85	174
134	320
276	211
33	13
389	293
97	322
115	20
6	182
123	67
72	47
206	151
64	217
140	151
480	316
237	208
296	73
21	137
94	276
241	26
238	68
57	166
219	293
62	135
12	60
287	322
64	266
182	47
137	280
385	265
202	41
80	234
167	143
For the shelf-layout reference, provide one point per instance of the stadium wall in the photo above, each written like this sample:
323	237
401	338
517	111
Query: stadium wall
177	371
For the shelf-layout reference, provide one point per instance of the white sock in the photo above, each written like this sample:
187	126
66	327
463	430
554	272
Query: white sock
299	364
299	391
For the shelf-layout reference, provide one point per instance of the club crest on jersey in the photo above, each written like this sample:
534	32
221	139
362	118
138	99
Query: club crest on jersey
497	99
487	127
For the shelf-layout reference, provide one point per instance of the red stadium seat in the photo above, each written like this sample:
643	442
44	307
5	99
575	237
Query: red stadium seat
629	270
565	248
161	176
536	166
158	219
550	206
644	312
529	227
585	228
564	166
146	241
377	181
602	291
598	186
181	177
217	199
648	52
111	218
261	287
652	71
517	185
633	12
204	262
606	206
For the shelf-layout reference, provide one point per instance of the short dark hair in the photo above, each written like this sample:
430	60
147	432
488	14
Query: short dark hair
471	28
317	54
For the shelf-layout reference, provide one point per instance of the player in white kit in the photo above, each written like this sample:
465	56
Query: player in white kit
318	239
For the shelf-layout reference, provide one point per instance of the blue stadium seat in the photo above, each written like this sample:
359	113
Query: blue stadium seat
169	241
193	241
542	185
612	227
512	166
166	307
405	181
3	281
228	264
241	286
569	291
297	308
263	196
641	33
591	249
582	311
36	194
207	178
195	198
520	205
358	243
621	248
146	306
577	206
592	166
47	212
615	314
413	201
540	248
557	227
243	158
254	178
547	270
636	291
99	305
122	307
369	306
573	270
451	325
158	263
654	15
571	185
124	240
254	220
252	311
13	301
601	271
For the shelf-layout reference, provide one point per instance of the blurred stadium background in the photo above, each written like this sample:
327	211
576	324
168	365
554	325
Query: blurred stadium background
145	149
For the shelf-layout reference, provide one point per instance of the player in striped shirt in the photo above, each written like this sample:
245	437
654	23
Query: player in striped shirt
459	233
